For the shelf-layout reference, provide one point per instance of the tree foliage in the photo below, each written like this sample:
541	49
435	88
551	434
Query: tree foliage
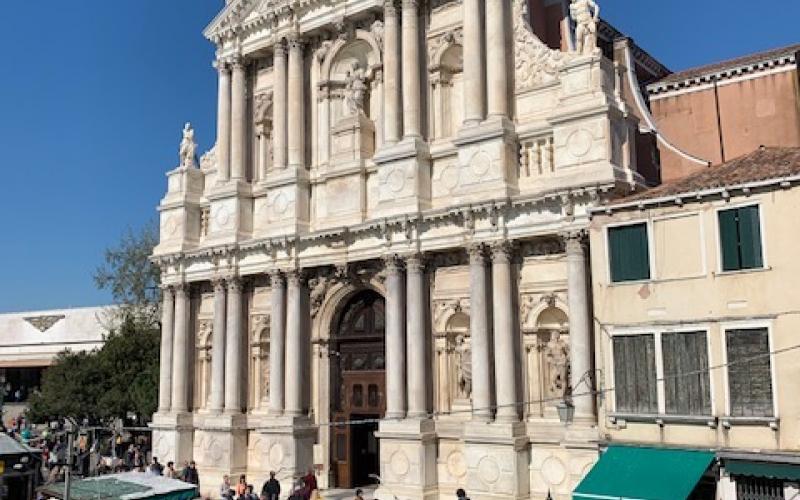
101	385
131	277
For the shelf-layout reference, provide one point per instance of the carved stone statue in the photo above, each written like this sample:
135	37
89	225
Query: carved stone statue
463	368
188	147
356	90
586	14
556	355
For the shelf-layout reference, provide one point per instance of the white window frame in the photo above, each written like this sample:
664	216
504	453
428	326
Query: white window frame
749	325
657	332
718	235
650	254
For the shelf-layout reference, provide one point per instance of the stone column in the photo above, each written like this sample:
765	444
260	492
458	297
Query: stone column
473	62
480	334
217	399
279	96
238	120
223	122
277	343
167	327
505	338
392	116
411	72
395	340
298	316
180	350
416	339
233	350
296	113
496	57
580	349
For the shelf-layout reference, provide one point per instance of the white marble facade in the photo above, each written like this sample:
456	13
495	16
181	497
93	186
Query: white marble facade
437	155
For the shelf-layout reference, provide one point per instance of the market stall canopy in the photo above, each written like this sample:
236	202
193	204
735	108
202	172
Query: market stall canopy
638	473
125	486
789	472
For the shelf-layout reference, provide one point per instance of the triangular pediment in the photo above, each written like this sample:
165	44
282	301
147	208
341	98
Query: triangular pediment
235	13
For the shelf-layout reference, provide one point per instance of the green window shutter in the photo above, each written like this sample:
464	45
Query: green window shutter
750	237
628	253
729	239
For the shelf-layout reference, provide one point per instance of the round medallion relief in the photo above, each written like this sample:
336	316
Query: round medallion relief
170	225
399	463
554	471
456	465
449	177
223	216
276	455
162	447
396	180
280	203
481	163
215	451
579	143
488	470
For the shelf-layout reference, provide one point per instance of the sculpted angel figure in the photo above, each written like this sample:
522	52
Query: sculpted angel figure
188	147
586	14
356	89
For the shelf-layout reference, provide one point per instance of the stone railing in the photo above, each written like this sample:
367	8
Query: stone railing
536	158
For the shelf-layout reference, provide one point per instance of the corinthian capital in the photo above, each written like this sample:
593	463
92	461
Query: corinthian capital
390	8
574	240
295	42
502	251
415	263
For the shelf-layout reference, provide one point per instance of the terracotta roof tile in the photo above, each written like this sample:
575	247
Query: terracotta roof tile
763	164
721	66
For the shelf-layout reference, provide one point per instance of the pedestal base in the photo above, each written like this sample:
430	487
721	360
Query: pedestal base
283	445
231	213
558	465
404	178
408	460
497	458
487	162
220	446
173	436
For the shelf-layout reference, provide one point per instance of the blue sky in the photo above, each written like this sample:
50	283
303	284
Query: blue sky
93	95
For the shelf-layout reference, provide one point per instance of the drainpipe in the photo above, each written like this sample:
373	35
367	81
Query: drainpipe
719	119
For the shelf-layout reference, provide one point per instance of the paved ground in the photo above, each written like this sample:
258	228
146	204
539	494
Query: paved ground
335	494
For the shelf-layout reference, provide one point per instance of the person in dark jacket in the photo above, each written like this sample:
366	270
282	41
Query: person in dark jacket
272	488
190	475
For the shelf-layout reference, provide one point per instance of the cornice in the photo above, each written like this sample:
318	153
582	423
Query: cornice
406	226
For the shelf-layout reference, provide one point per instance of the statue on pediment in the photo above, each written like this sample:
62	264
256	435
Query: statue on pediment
188	147
586	14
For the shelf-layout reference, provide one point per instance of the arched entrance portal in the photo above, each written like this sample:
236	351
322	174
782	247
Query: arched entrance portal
358	388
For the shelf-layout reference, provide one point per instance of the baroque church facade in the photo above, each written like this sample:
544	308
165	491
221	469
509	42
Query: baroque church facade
379	271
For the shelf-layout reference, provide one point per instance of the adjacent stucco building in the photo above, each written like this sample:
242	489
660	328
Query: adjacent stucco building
696	321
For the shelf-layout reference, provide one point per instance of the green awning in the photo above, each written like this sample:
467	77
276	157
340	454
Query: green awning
633	473
763	469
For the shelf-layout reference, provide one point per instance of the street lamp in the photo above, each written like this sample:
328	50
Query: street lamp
566	411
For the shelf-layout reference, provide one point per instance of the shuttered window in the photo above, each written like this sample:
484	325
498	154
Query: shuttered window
749	373
628	253
635	374
740	238
687	389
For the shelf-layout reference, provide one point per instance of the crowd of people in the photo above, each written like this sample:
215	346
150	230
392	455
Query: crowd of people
304	489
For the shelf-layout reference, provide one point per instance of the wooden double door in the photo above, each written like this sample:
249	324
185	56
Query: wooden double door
356	448
359	385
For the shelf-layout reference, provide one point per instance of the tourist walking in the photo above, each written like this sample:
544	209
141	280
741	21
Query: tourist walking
461	494
241	486
359	494
171	472
272	488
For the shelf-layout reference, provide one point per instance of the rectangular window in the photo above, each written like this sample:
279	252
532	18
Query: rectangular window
635	374
687	388
740	238
749	372
628	252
